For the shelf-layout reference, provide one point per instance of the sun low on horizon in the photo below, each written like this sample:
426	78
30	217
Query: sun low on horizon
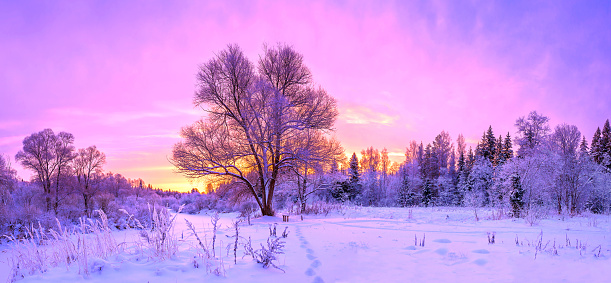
121	75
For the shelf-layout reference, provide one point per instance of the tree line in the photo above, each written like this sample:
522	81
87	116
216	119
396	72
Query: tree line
551	169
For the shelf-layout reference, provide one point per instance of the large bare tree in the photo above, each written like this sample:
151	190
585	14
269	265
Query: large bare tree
255	119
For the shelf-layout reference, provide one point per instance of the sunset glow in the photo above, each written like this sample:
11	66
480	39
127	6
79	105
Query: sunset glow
121	74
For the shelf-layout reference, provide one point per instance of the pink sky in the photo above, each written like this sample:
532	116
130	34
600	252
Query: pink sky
120	74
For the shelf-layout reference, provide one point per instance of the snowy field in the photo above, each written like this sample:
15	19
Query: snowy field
368	245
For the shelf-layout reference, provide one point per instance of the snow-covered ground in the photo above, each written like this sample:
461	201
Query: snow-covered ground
373	244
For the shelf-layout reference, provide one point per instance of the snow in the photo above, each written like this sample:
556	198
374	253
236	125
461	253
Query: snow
373	244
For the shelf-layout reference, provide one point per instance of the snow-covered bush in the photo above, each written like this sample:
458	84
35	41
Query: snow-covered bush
170	202
266	255
321	207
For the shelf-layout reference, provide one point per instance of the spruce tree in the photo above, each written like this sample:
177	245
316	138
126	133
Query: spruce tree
433	164
420	155
427	192
507	148
481	148
605	139
490	144
487	146
348	190
354	169
583	148
605	145
499	158
405	196
470	160
461	163
461	176
595	149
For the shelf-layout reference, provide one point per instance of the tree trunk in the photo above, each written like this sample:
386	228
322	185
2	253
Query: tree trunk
267	209
56	204
48	199
47	189
86	200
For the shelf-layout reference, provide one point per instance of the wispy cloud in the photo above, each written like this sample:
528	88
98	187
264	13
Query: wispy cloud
365	115
4	125
11	140
148	169
111	117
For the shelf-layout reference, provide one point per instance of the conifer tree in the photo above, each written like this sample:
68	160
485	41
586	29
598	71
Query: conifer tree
354	169
595	149
507	148
499	158
583	148
462	187
350	189
461	177
487	146
461	163
427	192
405	196
470	160
480	149
490	144
605	141
420	155
605	145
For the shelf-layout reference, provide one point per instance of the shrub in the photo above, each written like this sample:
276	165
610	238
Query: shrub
266	255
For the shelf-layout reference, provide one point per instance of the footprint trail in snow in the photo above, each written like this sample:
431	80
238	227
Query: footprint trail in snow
311	271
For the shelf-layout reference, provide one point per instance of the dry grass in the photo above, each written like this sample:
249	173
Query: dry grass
43	249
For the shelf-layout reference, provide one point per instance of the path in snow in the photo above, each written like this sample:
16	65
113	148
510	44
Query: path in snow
311	271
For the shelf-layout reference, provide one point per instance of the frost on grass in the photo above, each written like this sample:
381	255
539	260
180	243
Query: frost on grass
44	249
204	254
159	239
266	255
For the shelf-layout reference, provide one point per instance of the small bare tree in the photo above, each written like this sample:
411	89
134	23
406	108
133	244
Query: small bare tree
255	119
48	155
315	154
87	164
574	173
